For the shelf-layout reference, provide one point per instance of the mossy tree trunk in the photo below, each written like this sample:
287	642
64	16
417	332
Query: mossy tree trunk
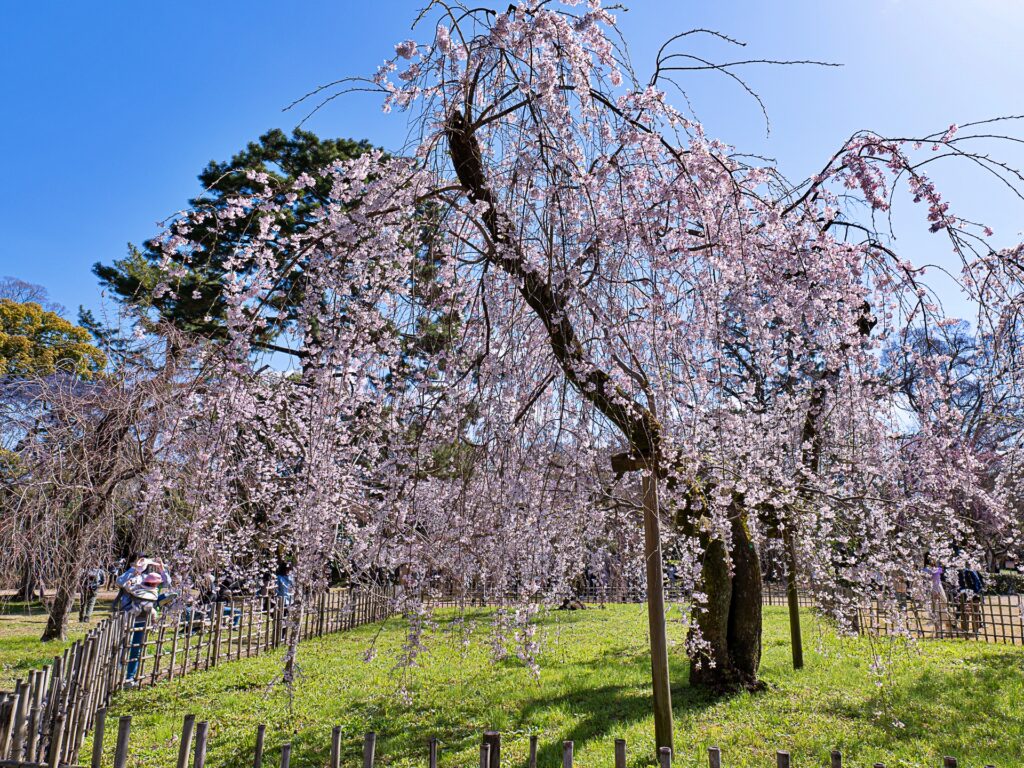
730	622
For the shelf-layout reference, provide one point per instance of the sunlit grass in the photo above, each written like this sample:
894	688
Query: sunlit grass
937	698
21	626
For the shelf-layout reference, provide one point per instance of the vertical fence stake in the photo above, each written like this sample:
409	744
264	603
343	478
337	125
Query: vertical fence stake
97	738
257	755
665	757
335	747
185	747
286	755
566	754
369	748
714	757
485	754
493	740
837	759
620	753
533	751
202	729
782	759
432	762
124	728
949	762
56	742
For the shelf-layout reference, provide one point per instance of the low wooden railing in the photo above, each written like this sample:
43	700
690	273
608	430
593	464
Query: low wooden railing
192	748
44	719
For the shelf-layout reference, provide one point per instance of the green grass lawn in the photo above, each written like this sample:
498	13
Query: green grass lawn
21	626
938	698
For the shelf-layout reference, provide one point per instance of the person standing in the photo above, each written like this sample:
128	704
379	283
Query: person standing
937	598
285	585
134	576
143	602
89	588
971	589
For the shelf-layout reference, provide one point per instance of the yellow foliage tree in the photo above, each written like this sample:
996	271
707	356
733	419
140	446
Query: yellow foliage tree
34	341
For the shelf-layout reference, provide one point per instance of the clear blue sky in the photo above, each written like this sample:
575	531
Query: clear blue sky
111	108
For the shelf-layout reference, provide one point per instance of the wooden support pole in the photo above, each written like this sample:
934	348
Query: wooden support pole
837	759
782	759
793	599
664	757
533	751
432	760
714	757
485	754
656	612
620	753
286	755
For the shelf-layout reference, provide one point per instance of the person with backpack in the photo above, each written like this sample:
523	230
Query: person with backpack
139	598
971	588
144	599
133	577
88	589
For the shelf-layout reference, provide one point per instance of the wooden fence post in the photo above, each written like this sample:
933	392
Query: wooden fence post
185	747
7	714
493	740
97	738
202	730
56	742
485	754
335	747
837	759
714	757
257	755
286	755
620	753
432	752
782	759
566	754
664	757
124	727
533	751
369	748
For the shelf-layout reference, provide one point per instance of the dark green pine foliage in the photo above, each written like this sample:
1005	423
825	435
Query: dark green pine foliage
196	305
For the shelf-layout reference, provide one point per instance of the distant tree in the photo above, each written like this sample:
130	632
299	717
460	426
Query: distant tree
21	291
34	341
197	303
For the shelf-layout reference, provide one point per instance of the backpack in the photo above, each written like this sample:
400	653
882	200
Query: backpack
970	579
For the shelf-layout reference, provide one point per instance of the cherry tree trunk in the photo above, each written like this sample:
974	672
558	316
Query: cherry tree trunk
730	622
60	609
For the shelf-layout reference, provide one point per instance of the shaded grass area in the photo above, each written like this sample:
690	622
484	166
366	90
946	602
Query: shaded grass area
936	698
21	626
